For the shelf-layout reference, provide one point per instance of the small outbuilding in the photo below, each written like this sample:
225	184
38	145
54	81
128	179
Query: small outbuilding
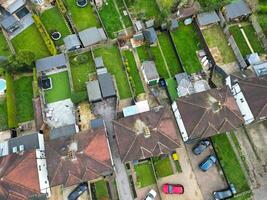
207	18
106	85
50	63
150	72
99	62
72	42
236	11
93	91
260	69
92	36
150	35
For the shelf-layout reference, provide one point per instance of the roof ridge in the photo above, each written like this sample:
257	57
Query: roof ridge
239	117
168	136
143	148
197	105
224	122
90	170
130	148
126	127
58	166
91	157
19	185
261	110
210	125
193	131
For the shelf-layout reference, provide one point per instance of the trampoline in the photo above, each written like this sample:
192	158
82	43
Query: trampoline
81	3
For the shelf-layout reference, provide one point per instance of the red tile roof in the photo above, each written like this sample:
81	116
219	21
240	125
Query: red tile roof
91	158
19	176
208	113
130	136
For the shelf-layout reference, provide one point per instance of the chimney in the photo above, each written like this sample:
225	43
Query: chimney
147	133
216	106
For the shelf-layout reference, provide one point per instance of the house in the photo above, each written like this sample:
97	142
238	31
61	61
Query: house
150	35
72	42
146	134
204	114
93	91
150	72
207	18
24	176
83	157
50	63
237	11
99	63
92	36
21	144
106	85
251	96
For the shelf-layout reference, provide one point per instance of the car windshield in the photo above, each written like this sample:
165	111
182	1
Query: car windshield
150	196
170	188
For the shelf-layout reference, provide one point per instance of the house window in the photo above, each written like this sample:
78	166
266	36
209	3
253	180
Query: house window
242	100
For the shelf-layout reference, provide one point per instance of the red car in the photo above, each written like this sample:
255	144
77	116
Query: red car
172	188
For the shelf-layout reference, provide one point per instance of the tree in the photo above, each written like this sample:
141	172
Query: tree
26	58
213	4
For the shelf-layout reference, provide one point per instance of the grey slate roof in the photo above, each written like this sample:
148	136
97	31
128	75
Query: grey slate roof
106	85
174	24
179	77
102	70
236	9
63	131
99	62
8	21
71	42
97	123
150	35
207	18
260	69
29	142
16	5
92	36
51	62
150	70
93	91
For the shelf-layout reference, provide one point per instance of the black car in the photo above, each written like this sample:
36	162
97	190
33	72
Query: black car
224	194
78	191
201	146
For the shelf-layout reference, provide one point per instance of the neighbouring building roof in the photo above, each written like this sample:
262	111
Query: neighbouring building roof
189	11
72	42
150	70
92	36
19	176
102	70
99	63
82	157
260	68
93	91
254	90
253	58
150	35
207	18
207	113
64	131
51	62
236	9
106	85
97	123
12	5
174	24
8	22
146	134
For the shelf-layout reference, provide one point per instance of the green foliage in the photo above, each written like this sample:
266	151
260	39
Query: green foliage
213	4
82	58
78	97
61	6
46	37
35	84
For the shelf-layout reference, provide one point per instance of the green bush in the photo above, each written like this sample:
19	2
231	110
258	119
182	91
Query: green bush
78	97
46	37
35	84
61	6
82	58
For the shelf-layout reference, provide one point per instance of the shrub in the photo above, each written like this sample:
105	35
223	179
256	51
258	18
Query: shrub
78	97
46	37
35	84
61	6
82	58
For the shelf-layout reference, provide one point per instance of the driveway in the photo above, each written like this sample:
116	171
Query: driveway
68	190
209	181
107	110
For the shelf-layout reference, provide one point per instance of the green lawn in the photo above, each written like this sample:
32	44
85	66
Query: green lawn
101	190
143	9
4	49
262	14
126	19
215	37
230	163
144	174
61	88
162	166
3	114
31	40
241	42
113	63
172	88
143	53
82	17
133	72
159	61
169	53
111	18
23	96
80	71
53	20
187	44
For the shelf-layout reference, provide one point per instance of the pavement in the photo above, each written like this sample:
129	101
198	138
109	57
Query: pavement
107	109
209	181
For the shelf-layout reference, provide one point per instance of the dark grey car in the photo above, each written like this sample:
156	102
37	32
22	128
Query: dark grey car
201	146
78	191
224	194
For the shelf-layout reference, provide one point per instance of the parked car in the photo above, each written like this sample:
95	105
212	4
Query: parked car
151	195
225	194
78	191
201	146
172	188
207	163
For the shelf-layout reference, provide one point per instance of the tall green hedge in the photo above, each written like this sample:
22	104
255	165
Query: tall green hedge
46	37
61	6
35	84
